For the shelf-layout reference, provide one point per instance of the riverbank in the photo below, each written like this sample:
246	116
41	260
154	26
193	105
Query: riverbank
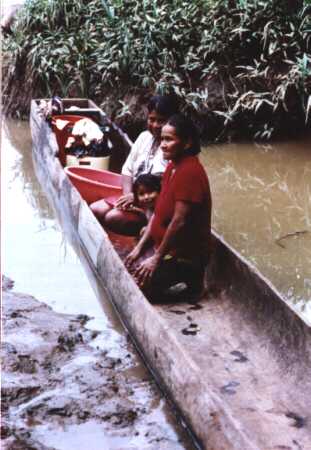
60	388
241	69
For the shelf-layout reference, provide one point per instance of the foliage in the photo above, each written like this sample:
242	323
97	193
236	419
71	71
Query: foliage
240	65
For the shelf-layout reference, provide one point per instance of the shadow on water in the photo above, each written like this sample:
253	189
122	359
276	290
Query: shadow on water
262	206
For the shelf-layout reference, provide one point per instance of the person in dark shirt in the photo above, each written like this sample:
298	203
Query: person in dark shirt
180	230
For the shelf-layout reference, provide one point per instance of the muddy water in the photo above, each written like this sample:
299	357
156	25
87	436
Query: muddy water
262	206
38	258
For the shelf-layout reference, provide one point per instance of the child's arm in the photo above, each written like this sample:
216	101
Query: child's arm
144	242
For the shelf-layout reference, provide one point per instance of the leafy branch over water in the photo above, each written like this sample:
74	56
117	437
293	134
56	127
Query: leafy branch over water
242	68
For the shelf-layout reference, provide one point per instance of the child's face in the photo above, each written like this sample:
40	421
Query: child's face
145	197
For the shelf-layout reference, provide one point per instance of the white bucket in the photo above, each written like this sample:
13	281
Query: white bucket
96	162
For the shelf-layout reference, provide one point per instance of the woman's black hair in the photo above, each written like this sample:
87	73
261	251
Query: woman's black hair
165	105
187	131
152	183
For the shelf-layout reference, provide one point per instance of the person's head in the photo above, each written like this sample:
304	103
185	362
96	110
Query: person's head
179	137
160	108
146	189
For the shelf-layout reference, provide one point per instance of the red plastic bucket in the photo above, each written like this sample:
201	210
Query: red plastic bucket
94	184
63	135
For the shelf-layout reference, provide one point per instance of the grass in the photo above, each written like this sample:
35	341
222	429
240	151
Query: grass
241	68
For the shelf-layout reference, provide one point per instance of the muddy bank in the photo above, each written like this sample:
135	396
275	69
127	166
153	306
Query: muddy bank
60	389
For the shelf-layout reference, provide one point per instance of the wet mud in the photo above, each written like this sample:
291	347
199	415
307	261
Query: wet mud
61	390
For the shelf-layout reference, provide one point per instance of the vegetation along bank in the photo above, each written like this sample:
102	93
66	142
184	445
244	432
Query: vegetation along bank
242	68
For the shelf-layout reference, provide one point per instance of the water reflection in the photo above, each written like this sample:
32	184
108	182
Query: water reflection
262	206
16	134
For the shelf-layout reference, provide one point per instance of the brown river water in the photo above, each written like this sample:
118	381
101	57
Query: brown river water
262	207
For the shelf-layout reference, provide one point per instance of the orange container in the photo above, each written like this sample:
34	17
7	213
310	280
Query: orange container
63	135
95	184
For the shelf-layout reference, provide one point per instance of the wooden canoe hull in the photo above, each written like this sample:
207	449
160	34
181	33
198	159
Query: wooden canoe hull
248	314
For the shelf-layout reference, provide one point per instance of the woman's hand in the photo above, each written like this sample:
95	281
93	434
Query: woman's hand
142	246
133	256
125	201
145	271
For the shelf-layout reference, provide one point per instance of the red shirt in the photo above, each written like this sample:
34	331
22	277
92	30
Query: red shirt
189	183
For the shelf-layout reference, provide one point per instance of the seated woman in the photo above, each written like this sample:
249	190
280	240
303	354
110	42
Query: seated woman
145	157
180	228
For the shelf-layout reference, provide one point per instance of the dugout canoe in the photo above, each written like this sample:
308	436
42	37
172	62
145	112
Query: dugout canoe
237	365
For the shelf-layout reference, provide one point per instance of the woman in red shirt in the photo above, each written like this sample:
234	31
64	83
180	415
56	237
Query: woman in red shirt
117	215
180	228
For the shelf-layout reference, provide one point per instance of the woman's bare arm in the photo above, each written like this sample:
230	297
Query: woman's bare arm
147	267
127	198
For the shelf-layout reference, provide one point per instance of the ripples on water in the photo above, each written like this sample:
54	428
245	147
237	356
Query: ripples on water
262	207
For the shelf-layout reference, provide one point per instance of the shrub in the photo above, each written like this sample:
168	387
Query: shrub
243	66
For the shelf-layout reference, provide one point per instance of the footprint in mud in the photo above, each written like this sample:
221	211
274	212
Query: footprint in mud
239	356
196	306
229	388
83	318
177	311
7	283
298	421
26	364
191	329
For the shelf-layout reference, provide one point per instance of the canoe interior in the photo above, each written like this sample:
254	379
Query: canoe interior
84	107
236	363
80	103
